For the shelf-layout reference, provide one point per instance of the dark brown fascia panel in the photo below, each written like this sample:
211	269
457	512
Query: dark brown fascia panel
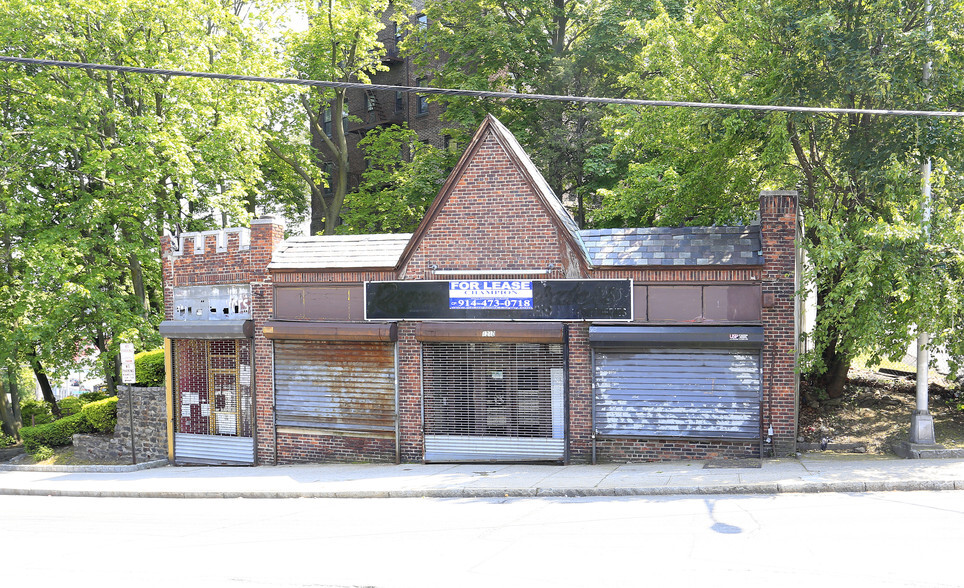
331	331
490	332
229	329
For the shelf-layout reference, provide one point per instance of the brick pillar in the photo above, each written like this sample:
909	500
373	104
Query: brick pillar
778	234
266	234
580	394
167	273
409	406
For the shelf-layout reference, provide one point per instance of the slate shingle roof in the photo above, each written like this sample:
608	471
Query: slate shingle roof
674	246
340	251
607	247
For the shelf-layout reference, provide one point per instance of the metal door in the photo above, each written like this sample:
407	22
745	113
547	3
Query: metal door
493	401
213	402
671	392
345	387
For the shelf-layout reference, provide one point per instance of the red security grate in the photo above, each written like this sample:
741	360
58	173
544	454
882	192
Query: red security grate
212	387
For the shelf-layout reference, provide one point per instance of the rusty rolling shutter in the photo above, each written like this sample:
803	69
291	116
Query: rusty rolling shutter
493	401
677	392
343	387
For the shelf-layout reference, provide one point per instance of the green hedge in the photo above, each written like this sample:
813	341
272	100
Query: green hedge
88	397
35	412
96	417
69	405
149	368
101	415
55	434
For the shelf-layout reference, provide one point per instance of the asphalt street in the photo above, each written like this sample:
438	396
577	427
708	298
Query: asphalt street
879	539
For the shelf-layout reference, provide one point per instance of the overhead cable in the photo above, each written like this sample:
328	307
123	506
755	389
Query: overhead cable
477	93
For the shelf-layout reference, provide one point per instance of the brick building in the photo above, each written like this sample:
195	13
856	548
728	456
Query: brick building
382	108
496	331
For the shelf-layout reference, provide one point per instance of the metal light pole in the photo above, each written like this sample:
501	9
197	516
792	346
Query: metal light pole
921	421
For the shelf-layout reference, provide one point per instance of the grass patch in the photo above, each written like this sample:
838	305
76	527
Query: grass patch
65	456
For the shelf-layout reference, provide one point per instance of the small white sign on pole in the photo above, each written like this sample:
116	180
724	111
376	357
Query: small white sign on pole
127	363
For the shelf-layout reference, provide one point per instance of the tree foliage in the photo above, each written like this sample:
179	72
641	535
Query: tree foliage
341	45
402	179
95	165
569	47
876	274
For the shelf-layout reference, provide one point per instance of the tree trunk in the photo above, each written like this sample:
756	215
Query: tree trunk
14	386
7	425
137	280
45	387
110	371
838	366
340	153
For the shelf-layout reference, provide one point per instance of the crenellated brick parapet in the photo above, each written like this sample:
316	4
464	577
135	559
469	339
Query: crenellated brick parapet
195	264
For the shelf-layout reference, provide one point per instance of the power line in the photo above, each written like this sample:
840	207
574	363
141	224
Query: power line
477	93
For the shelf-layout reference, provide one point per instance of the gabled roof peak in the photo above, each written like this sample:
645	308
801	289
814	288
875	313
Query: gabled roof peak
491	126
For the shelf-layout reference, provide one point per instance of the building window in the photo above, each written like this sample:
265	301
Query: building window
326	121
397	34
449	143
370	105
422	100
399	102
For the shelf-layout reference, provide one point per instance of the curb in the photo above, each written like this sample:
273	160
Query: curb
747	489
106	469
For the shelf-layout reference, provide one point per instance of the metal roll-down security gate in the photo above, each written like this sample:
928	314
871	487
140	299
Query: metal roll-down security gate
677	382
493	401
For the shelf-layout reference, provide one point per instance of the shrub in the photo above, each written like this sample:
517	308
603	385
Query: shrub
6	441
149	367
70	405
55	434
42	453
35	412
101	415
88	397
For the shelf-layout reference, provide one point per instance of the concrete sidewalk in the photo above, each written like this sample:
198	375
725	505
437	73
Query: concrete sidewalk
809	473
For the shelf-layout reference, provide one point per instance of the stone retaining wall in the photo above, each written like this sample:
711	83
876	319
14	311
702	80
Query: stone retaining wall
150	430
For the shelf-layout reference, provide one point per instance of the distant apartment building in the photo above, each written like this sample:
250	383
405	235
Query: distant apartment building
370	109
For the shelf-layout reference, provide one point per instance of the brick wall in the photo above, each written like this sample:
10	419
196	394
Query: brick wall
296	447
233	256
266	235
492	219
580	393
778	219
410	393
225	258
633	450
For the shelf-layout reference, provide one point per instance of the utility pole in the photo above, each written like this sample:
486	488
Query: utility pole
921	421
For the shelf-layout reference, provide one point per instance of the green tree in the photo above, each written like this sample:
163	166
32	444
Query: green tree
97	164
341	45
402	178
876	277
569	47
